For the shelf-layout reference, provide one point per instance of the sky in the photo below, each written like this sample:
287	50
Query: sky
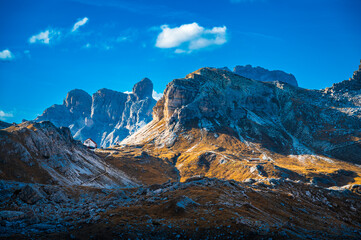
48	48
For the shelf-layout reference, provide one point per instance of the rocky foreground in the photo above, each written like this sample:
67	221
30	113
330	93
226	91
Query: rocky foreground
200	208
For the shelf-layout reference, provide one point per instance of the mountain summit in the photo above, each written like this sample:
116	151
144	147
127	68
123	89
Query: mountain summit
265	75
143	89
225	156
107	117
220	124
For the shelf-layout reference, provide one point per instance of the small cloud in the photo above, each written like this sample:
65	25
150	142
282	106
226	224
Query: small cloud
179	51
88	45
4	115
107	46
156	95
79	24
189	37
121	39
6	55
44	37
27	53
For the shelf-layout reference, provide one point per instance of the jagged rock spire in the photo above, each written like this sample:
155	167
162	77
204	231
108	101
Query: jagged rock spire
143	88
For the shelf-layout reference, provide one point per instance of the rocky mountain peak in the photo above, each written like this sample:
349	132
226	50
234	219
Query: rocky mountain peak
143	89
265	75
276	116
107	117
351	86
357	74
190	97
78	100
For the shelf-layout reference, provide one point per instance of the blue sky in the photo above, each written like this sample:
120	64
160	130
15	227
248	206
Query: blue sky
48	48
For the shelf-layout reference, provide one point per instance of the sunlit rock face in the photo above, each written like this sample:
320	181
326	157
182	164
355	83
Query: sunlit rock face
107	117
218	123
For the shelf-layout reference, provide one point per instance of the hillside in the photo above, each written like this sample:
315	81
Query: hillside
42	153
217	124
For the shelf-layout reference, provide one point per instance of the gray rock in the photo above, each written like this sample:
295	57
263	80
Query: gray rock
58	159
107	117
31	194
265	75
281	118
11	215
4	124
59	197
143	89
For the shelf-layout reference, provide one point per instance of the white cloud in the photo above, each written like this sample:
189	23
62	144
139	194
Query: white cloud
156	95
44	37
4	115
178	50
189	37
79	24
6	55
121	39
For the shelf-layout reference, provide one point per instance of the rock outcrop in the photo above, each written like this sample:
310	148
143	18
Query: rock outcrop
239	122
4	124
42	153
107	117
265	75
350	86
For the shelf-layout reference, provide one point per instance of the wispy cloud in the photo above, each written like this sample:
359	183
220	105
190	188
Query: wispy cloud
189	37
85	39
45	37
6	55
50	35
79	23
5	115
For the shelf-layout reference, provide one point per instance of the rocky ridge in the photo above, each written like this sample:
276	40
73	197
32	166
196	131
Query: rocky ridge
4	124
42	153
265	75
220	124
107	117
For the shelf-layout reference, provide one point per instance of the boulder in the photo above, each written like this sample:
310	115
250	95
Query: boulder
31	194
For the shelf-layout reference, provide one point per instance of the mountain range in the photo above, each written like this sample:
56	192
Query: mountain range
219	124
107	117
223	156
262	74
